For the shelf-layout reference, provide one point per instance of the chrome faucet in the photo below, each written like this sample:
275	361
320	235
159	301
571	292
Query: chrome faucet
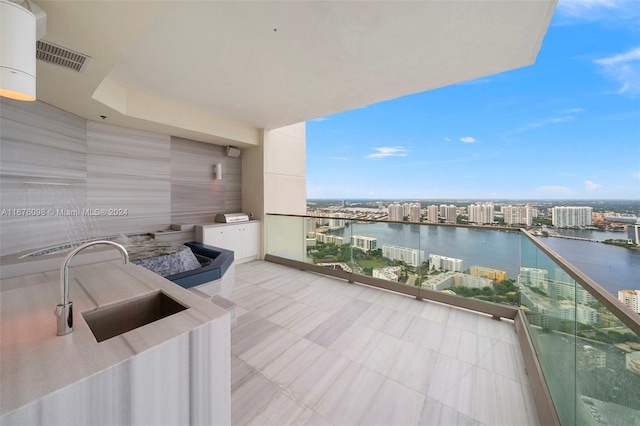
64	310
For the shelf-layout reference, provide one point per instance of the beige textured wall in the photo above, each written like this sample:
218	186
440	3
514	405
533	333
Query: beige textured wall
285	184
156	179
274	175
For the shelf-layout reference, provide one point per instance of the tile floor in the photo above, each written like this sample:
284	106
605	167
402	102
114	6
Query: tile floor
310	349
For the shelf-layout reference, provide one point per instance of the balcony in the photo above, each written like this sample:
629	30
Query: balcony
313	345
311	349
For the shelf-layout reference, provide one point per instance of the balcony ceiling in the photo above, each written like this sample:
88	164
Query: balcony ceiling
219	71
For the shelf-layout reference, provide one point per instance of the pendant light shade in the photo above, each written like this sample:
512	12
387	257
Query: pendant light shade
17	52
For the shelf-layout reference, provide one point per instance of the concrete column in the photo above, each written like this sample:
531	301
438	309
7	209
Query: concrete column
274	175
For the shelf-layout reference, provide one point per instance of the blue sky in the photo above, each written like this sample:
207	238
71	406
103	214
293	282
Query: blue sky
567	127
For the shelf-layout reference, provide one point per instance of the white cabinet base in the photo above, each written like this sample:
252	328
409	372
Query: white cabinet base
242	238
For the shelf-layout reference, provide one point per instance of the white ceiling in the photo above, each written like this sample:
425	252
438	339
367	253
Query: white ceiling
219	71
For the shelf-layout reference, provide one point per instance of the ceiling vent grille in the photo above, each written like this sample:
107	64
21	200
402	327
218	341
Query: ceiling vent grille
57	55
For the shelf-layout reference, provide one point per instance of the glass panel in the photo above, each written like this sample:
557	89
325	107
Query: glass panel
608	367
328	243
389	251
481	263
468	262
549	303
286	237
590	359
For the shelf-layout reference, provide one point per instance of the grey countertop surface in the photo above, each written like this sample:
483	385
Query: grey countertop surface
35	362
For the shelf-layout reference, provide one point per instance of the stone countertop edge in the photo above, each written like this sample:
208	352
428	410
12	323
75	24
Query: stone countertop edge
35	362
210	224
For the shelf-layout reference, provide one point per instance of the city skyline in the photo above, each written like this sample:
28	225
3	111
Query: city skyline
566	127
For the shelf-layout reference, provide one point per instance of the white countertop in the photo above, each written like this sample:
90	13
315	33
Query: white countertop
35	362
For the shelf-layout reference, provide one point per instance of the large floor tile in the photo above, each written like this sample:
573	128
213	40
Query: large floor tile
250	398
357	343
414	367
293	362
310	386
282	410
264	352
435	413
328	331
395	405
350	397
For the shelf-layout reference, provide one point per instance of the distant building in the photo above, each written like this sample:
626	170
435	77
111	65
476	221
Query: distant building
390	273
444	263
569	217
414	212
469	281
518	215
493	274
336	222
455	279
329	239
364	243
534	277
633	233
440	282
569	311
310	224
632	362
406	207
560	290
590	358
339	266
481	213
631	298
396	212
449	213
412	257
432	214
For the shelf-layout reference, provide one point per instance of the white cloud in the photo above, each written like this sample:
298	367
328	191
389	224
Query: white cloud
625	69
447	139
581	7
591	186
598	10
573	110
468	139
636	175
541	123
554	189
338	158
389	151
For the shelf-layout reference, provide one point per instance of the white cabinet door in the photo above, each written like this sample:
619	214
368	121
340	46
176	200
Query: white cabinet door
233	240
214	236
250	239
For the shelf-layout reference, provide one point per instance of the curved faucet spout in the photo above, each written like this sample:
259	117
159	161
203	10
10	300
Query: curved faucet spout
64	310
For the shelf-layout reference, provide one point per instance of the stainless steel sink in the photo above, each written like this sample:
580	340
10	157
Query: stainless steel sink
117	319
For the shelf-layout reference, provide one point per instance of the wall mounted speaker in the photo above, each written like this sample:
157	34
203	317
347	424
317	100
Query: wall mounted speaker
233	151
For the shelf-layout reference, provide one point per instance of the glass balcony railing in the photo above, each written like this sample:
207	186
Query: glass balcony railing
589	357
584	342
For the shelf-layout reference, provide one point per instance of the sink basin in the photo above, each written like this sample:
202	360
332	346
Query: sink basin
117	319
